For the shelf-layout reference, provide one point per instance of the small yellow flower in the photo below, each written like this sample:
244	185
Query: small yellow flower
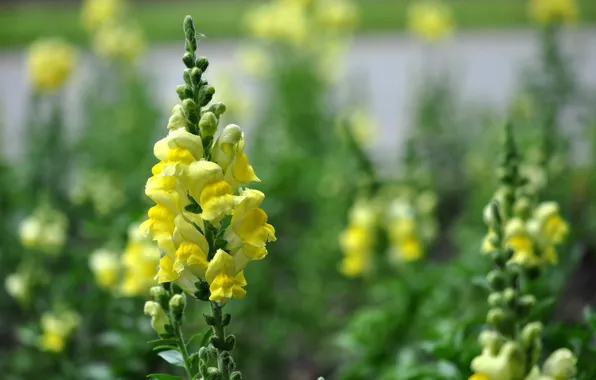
479	376
501	366
17	286
160	224
119	42
224	281
357	240
50	64
105	265
139	262
561	364
283	21
487	245
554	11
45	230
95	13
255	61
550	226
228	152
519	239
56	329
337	14
430	20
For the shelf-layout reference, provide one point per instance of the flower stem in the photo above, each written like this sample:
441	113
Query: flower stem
182	347
220	335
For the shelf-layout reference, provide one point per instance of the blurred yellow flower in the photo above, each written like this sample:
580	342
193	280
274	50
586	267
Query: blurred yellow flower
50	64
139	263
96	13
56	329
337	14
119	42
357	240
284	21
255	61
45	230
105	266
548	224
519	239
430	20
16	286
554	11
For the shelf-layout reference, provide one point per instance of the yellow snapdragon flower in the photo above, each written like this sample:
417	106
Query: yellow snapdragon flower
138	261
105	265
119	42
50	64
225	281
336	14
430	20
403	231
548	223
56	329
357	240
283	21
96	13
45	230
553	11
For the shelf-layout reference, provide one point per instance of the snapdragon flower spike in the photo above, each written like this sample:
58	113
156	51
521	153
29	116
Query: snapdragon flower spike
198	200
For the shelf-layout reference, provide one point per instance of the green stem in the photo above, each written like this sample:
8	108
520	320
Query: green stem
182	347
220	334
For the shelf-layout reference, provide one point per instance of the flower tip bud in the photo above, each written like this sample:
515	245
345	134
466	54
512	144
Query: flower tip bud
195	75
531	333
157	292
495	299
152	308
495	317
496	279
184	91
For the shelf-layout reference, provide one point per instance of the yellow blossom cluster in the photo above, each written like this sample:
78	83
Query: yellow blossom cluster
50	64
45	230
430	20
115	38
206	225
407	219
56	328
554	11
314	27
130	273
357	240
533	240
411	225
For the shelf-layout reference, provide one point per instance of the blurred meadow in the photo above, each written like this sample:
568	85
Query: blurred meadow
419	203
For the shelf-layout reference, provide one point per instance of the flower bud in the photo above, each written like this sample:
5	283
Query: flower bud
531	333
238	376
496	279
509	296
491	341
561	364
218	109
526	303
184	91
158	316
195	76
177	305
191	109
188	60
176	122
495	299
496	317
208	124
186	77
202	63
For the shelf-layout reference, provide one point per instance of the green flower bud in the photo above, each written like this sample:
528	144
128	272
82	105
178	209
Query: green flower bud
227	318
490	340
509	296
208	124
192	110
189	60
177	305
176	122
159	319
561	364
186	77
218	109
213	373
496	317
238	376
195	76
496	279
157	292
495	299
184	91
230	342
531	333
202	63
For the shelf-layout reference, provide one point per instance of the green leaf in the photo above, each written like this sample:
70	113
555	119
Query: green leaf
173	357
164	347
206	337
163	341
163	376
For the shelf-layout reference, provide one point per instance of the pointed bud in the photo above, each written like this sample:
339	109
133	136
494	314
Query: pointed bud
496	279
561	364
189	60
208	124
177	305
195	76
184	92
202	63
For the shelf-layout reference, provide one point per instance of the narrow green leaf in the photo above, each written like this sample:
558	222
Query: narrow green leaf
206	337
164	347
